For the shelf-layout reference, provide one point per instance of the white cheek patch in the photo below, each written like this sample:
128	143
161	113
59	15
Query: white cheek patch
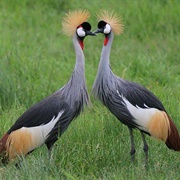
107	29
81	32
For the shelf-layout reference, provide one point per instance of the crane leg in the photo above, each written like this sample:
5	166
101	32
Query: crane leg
145	148
50	154
50	147
133	151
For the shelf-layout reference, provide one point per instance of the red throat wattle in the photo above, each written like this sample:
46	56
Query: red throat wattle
81	44
105	41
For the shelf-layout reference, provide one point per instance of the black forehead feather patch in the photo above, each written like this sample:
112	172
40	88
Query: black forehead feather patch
101	24
86	26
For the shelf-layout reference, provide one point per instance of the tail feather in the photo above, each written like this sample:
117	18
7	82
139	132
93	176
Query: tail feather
173	139
3	142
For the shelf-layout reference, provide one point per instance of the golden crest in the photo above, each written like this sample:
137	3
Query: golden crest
73	19
113	19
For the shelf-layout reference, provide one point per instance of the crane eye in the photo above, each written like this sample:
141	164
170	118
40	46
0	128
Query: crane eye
80	32
107	29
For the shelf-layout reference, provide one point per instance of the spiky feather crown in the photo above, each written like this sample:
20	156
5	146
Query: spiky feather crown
73	19
113	19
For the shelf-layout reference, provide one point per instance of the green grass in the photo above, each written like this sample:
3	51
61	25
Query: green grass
36	59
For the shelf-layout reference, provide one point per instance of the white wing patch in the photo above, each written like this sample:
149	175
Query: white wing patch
142	115
39	133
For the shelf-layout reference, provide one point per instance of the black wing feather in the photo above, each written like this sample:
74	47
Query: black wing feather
115	103
136	94
139	95
40	113
60	127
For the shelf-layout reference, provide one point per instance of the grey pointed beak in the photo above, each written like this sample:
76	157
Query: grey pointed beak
98	31
90	33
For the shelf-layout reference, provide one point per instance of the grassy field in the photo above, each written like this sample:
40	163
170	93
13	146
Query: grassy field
36	59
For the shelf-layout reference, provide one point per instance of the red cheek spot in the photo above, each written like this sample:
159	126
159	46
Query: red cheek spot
81	44
105	41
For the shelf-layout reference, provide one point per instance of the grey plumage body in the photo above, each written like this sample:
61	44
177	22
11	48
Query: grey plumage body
71	98
45	121
108	87
131	103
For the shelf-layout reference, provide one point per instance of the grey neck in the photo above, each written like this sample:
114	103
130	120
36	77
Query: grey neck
104	71
72	91
79	66
104	64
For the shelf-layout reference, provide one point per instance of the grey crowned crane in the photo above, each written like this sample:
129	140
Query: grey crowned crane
131	103
45	121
